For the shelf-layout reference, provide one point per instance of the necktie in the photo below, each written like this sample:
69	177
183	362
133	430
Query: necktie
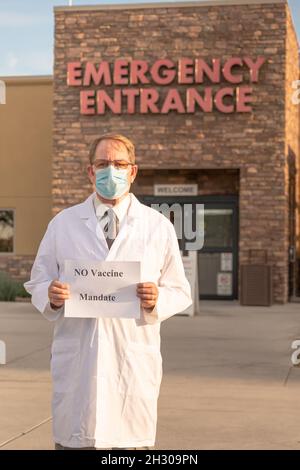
111	227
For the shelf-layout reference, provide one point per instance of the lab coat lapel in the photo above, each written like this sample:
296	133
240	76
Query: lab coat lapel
89	218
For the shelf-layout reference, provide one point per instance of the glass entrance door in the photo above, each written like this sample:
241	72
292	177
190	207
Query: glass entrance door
218	258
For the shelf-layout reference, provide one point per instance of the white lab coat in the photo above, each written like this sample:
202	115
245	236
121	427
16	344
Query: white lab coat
107	372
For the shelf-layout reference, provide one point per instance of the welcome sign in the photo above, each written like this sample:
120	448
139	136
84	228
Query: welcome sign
192	85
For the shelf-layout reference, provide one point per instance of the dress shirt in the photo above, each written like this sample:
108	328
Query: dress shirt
119	209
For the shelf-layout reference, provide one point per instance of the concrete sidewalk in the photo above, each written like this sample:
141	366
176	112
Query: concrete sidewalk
228	380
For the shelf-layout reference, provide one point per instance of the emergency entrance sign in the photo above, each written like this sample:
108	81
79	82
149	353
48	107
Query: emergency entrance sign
102	289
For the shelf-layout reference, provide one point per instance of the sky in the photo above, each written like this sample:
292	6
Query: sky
27	29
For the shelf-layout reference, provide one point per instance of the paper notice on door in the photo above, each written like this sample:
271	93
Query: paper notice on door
226	261
102	289
224	284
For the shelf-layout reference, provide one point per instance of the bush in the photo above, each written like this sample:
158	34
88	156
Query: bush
10	289
7	288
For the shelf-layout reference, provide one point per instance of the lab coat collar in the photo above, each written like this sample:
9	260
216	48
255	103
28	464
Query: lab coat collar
88	215
120	209
87	211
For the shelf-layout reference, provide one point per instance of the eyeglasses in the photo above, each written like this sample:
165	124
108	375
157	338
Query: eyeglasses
118	164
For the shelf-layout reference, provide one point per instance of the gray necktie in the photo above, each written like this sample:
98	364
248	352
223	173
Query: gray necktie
111	227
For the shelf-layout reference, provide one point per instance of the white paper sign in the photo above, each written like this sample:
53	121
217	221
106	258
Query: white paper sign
102	289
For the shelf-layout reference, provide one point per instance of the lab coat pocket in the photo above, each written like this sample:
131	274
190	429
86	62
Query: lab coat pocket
65	355
141	371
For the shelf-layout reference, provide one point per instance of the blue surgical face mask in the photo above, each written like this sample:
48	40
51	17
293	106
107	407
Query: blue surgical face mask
112	183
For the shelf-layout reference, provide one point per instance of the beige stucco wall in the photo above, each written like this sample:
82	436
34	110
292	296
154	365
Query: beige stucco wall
25	158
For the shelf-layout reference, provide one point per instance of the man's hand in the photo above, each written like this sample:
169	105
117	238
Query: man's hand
148	293
58	293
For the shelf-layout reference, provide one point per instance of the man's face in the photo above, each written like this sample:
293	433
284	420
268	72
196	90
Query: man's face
110	150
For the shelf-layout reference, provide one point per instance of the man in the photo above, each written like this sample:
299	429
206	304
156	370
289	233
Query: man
107	371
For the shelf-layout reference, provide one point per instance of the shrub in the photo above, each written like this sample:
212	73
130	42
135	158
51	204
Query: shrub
10	289
7	288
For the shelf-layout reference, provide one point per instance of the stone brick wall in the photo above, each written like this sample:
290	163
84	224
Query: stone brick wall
17	267
254	144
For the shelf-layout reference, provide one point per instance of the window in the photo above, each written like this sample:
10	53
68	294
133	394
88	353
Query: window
218	228
6	231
